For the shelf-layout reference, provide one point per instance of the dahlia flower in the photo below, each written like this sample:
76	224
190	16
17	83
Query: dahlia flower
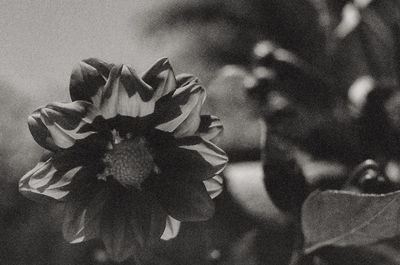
130	157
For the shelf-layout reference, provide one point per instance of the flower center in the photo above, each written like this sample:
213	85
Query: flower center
128	161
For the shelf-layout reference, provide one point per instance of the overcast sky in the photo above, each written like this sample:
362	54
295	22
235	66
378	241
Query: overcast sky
41	40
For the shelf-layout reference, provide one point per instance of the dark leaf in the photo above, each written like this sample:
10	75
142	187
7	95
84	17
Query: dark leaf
341	219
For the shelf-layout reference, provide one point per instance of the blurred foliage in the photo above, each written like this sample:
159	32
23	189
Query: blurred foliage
314	135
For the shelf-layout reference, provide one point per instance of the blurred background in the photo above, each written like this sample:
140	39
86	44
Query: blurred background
221	41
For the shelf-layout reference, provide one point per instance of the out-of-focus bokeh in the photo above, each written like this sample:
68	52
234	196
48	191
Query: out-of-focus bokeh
41	41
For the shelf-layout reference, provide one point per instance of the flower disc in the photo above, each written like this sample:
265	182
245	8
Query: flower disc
129	162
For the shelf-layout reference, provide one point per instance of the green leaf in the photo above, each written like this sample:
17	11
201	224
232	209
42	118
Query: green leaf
342	218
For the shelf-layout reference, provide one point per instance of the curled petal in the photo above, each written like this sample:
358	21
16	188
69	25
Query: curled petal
133	83
114	89
189	100
210	127
124	94
191	123
40	132
214	186
172	227
87	78
44	182
186	200
161	78
185	79
211	153
59	125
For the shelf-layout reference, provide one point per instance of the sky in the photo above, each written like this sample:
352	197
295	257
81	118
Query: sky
41	40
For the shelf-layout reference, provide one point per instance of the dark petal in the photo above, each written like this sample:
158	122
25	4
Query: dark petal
58	125
183	164
84	152
184	200
85	184
82	217
157	223
121	238
166	109
208	152
157	217
130	219
136	126
160	140
87	78
98	124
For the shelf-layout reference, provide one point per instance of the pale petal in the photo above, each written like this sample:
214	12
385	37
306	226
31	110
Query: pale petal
46	182
172	227
214	186
60	125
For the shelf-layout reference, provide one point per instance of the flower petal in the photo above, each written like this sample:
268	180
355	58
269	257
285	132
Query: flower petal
191	123
211	153
60	125
185	79
87	78
189	99
133	83
214	186
121	238
130	219
172	227
161	78
210	127
114	89
184	164
157	223
82	217
63	175
185	200
44	182
119	97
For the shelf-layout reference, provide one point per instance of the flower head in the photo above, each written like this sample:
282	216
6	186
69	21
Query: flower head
130	157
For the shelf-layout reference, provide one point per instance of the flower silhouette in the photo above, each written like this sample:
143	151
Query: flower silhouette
130	157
